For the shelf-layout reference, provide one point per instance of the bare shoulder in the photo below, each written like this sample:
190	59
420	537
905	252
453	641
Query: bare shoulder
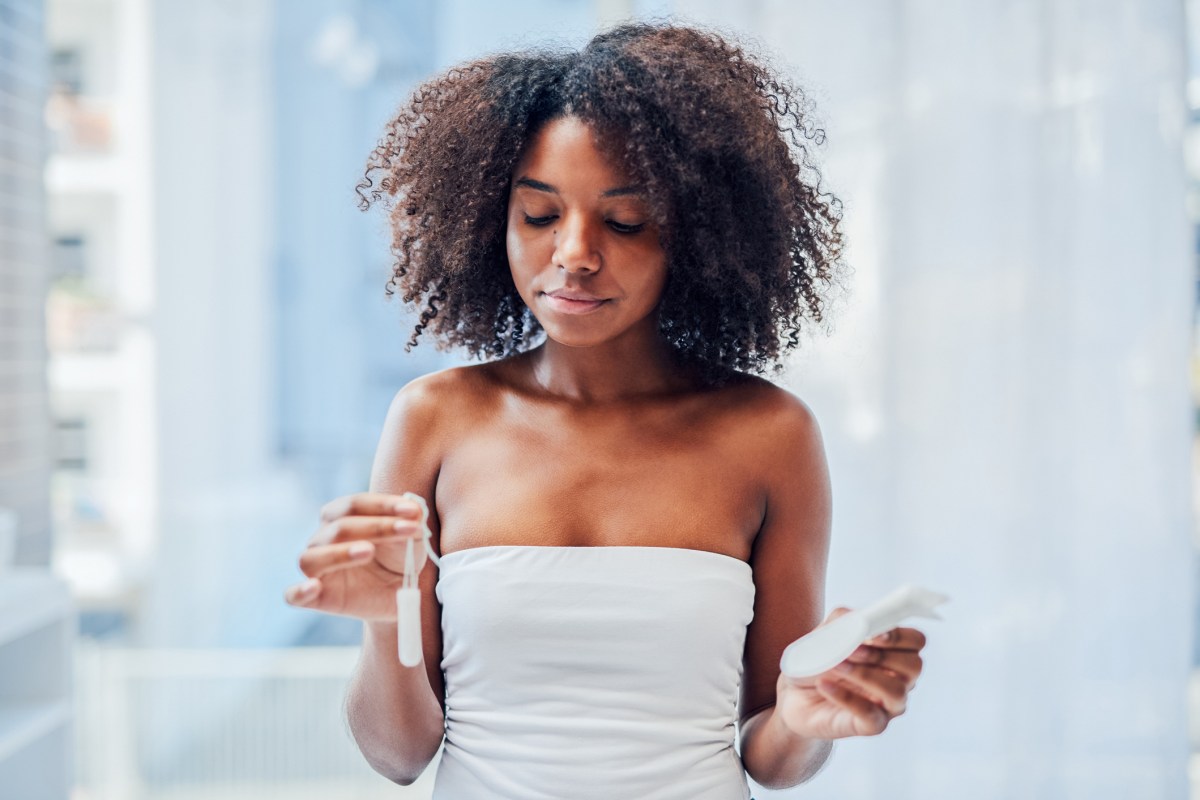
766	415
445	394
422	421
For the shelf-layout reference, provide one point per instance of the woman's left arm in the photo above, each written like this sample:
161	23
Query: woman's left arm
788	725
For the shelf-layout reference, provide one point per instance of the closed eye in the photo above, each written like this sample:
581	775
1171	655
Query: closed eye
619	227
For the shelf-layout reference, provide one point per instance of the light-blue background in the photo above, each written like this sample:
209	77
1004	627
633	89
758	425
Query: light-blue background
1004	394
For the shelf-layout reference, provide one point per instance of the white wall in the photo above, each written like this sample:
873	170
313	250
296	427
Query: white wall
228	515
1004	400
1005	397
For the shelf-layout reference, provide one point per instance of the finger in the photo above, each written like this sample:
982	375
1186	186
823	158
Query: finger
882	687
370	504
840	611
318	561
904	663
899	639
872	720
303	594
355	528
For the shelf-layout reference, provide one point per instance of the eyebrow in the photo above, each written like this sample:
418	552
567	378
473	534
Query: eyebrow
545	187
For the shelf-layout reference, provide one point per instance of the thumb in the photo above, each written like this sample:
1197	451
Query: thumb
840	611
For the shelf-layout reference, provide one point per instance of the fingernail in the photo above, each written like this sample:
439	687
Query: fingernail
407	510
403	526
306	588
845	666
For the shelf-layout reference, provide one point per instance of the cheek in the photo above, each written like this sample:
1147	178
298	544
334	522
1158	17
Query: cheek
517	259
522	252
512	249
523	264
655	279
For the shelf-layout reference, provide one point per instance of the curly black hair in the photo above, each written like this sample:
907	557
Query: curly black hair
719	142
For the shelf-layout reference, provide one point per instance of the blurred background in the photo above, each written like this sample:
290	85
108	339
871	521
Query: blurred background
196	354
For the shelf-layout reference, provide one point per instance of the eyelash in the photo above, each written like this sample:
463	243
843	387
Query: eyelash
616	226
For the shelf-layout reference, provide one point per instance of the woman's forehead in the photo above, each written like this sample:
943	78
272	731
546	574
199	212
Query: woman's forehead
565	155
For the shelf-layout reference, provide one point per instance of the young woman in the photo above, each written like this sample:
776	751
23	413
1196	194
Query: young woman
632	525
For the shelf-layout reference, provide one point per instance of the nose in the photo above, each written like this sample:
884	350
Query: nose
575	246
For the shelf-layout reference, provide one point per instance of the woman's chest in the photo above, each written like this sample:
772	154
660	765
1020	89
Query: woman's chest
610	482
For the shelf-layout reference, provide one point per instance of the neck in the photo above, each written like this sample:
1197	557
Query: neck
618	370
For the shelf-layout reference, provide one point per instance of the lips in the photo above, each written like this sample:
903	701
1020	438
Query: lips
574	302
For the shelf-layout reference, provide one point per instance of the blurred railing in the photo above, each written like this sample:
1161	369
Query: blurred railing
234	724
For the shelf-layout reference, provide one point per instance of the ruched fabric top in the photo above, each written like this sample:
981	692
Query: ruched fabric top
592	672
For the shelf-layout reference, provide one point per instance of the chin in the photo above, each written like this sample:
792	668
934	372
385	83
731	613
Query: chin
591	331
575	338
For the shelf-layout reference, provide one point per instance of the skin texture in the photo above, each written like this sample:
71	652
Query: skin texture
565	236
600	436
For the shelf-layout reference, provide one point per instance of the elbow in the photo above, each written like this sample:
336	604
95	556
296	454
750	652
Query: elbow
777	781
401	754
776	759
784	778
403	779
402	771
393	772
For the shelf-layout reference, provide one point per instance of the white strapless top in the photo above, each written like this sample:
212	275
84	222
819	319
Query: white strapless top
592	672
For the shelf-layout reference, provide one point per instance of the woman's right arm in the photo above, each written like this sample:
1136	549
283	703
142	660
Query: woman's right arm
395	713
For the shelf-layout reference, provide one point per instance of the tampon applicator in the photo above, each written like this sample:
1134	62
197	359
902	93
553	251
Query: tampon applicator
408	596
828	645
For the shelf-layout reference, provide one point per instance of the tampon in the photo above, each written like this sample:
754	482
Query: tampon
408	596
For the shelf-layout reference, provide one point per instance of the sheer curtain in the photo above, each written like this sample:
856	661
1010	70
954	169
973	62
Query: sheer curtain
1005	394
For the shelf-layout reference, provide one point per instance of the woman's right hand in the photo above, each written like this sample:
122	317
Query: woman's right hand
355	560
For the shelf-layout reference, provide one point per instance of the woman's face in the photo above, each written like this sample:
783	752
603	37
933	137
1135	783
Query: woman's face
584	253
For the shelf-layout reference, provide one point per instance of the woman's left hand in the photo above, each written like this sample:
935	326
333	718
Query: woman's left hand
858	697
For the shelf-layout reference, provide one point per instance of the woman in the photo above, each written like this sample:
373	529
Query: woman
632	526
